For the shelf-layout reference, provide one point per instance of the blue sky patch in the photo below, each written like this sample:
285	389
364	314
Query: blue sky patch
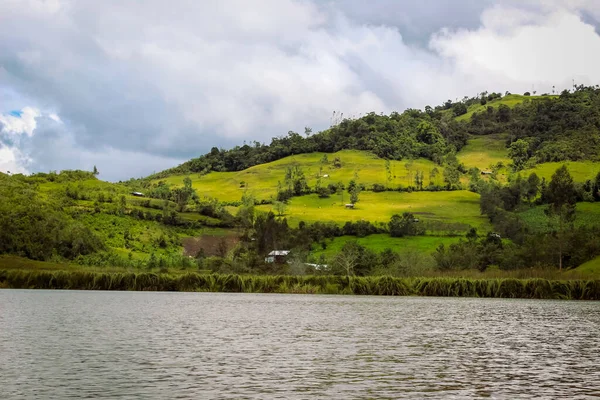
16	113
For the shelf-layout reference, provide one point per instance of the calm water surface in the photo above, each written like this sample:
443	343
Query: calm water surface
71	344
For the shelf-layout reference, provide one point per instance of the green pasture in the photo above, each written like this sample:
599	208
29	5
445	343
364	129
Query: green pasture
579	170
484	151
453	207
261	181
591	267
380	242
587	214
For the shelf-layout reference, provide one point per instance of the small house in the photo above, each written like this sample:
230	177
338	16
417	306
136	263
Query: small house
277	256
486	172
349	206
138	194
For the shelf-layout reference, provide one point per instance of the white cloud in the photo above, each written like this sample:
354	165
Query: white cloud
163	82
519	49
18	125
12	160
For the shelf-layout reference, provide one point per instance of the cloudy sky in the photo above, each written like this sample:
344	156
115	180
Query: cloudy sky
139	86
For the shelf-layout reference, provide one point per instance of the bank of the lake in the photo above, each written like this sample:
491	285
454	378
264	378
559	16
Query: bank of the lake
316	284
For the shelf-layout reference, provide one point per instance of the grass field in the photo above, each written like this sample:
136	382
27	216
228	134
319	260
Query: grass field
452	207
380	242
511	100
483	151
261	180
591	268
579	170
587	214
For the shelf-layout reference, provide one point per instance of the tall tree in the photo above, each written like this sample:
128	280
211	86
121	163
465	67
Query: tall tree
533	187
562	202
519	153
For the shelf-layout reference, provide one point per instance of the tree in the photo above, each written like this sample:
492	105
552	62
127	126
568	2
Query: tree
459	109
562	202
451	175
96	173
519	153
404	225
354	194
419	177
388	172
432	175
122	203
348	258
280	207
533	187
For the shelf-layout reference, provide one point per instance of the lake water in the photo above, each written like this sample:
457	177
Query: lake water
118	345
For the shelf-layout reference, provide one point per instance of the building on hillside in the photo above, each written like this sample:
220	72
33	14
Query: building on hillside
349	205
138	194
277	256
486	172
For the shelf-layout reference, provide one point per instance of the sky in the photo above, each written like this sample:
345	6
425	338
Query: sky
135	87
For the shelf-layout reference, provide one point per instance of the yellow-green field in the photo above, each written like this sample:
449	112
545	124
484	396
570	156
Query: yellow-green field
579	170
261	180
483	151
591	267
452	207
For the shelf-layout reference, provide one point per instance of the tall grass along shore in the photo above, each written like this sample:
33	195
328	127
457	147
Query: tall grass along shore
380	285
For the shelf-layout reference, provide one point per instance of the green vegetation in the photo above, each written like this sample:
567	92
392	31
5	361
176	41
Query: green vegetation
468	189
590	268
579	170
510	100
380	285
586	215
261	181
380	242
484	151
456	207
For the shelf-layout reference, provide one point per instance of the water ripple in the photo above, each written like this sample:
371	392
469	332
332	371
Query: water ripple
123	345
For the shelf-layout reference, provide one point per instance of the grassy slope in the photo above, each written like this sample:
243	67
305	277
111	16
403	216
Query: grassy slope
587	214
143	236
380	242
261	180
483	151
579	170
591	267
511	100
458	206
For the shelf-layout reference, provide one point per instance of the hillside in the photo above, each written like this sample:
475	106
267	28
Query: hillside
428	189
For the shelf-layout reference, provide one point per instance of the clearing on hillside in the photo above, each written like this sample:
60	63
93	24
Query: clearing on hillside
483	151
510	100
262	181
456	207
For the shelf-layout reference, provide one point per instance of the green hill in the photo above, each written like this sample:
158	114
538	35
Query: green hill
416	177
510	100
261	181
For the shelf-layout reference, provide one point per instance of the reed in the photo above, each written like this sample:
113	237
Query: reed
536	288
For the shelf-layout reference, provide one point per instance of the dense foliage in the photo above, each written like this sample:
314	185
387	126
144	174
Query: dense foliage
411	134
547	129
37	228
380	285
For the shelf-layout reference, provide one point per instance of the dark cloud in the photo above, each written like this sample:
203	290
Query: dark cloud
141	86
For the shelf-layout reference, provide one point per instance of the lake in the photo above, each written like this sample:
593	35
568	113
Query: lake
133	345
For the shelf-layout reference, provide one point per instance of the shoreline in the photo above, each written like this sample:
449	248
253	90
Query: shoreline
532	288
